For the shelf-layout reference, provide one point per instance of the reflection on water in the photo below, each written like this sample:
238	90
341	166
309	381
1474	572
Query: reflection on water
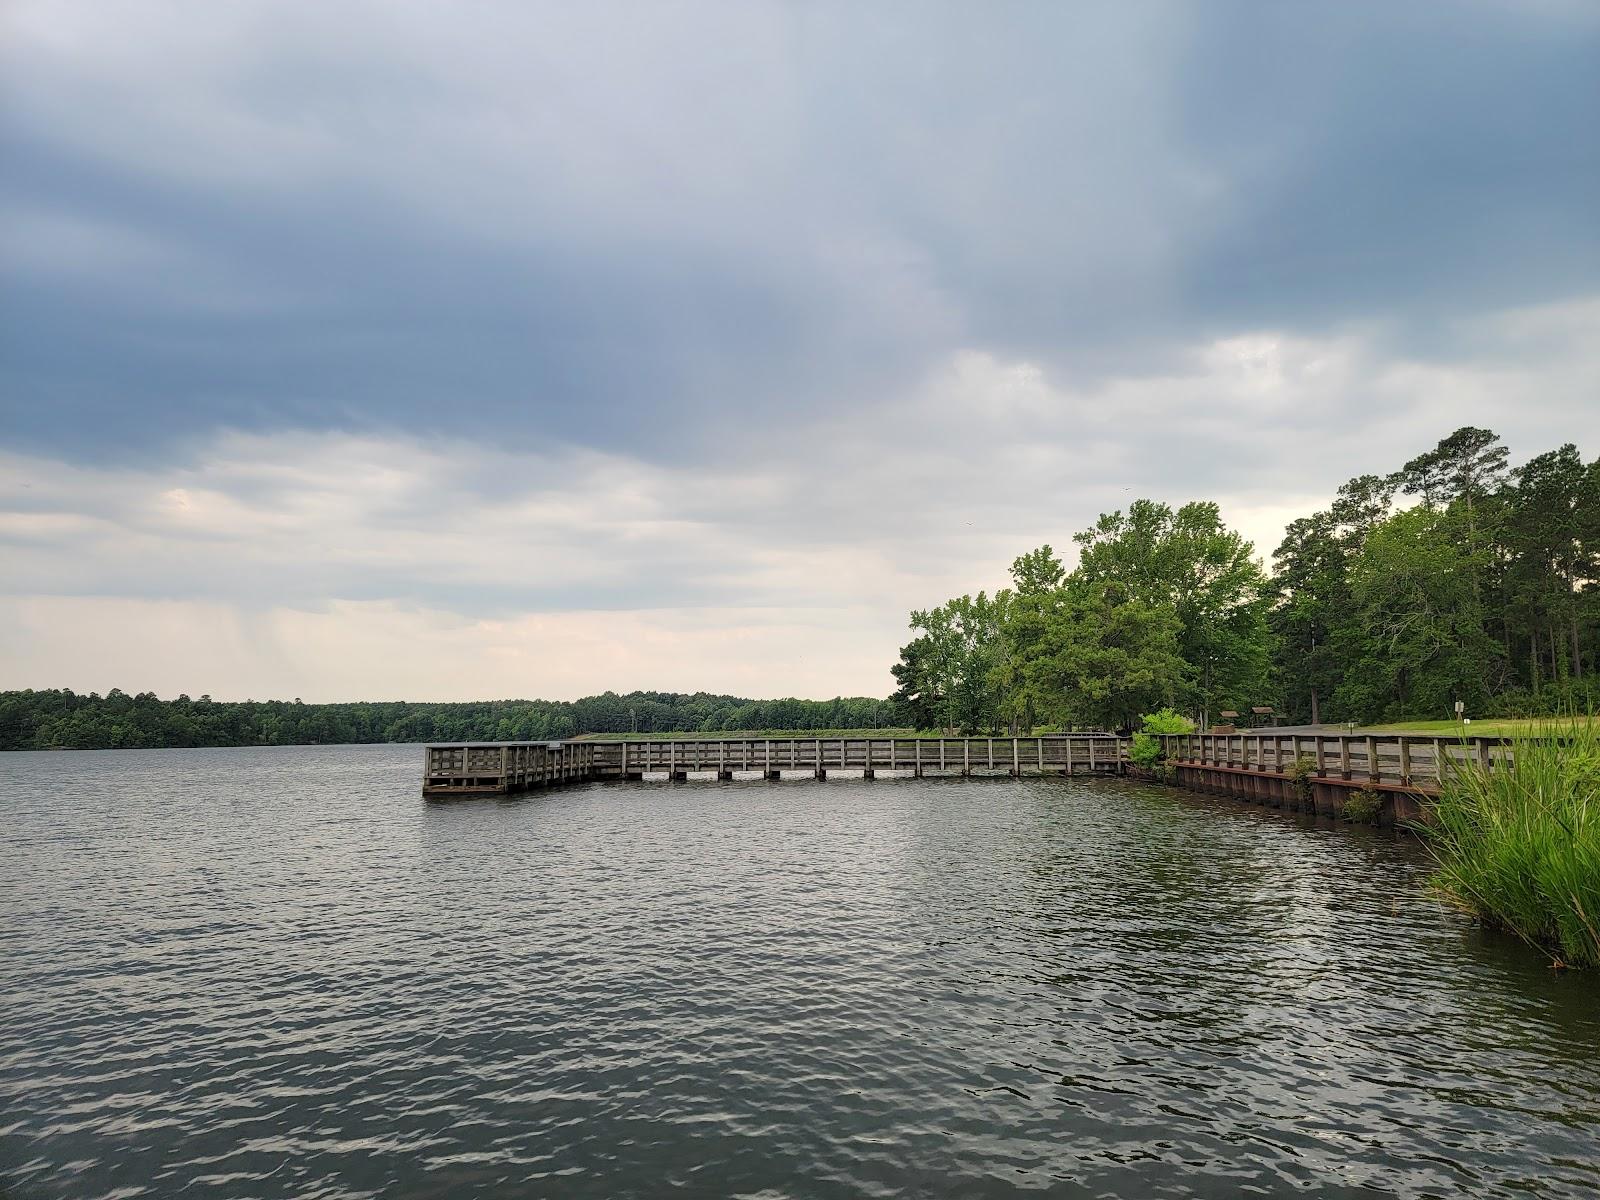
278	973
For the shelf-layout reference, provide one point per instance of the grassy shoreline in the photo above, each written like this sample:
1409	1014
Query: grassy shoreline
1520	848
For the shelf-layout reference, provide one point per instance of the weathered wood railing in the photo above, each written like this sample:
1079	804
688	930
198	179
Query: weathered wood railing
468	768
1406	762
477	768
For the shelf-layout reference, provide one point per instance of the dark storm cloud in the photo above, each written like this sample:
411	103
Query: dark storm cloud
639	226
1410	161
334	313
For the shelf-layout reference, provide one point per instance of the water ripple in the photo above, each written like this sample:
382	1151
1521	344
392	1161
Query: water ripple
278	973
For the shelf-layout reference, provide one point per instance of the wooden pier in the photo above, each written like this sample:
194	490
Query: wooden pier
1318	772
488	768
1306	772
502	768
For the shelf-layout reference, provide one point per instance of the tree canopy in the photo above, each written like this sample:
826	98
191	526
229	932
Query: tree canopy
1456	577
1166	607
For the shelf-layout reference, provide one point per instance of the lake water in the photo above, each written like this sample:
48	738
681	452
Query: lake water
280	973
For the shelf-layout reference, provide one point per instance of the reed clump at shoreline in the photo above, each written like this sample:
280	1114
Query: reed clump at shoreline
1520	847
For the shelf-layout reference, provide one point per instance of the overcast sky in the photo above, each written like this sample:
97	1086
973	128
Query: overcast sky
450	351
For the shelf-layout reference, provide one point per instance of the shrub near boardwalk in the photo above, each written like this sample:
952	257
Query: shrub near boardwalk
1147	750
1520	848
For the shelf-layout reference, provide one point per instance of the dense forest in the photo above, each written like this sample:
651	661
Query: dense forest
1454	578
55	719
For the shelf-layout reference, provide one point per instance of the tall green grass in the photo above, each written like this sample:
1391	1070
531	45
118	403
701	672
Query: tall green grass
1519	846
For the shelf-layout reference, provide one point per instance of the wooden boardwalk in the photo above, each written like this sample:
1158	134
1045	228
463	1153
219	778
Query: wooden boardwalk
1321	773
1409	763
486	768
499	768
1314	773
1306	772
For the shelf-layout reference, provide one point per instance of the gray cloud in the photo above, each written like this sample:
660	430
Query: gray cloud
456	321
636	220
1398	162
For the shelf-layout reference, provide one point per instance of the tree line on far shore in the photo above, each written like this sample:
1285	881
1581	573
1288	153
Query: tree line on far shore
1454	578
60	719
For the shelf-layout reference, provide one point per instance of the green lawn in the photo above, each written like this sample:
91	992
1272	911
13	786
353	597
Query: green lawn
1488	727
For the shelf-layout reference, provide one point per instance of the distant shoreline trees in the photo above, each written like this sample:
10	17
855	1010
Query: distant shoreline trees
62	719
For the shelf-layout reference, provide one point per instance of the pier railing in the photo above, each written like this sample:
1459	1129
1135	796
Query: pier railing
1391	761
475	768
918	756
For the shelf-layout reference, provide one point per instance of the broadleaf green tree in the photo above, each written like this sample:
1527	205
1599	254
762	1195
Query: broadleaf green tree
1103	656
1207	574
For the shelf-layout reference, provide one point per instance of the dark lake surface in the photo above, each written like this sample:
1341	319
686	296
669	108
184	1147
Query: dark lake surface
279	973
